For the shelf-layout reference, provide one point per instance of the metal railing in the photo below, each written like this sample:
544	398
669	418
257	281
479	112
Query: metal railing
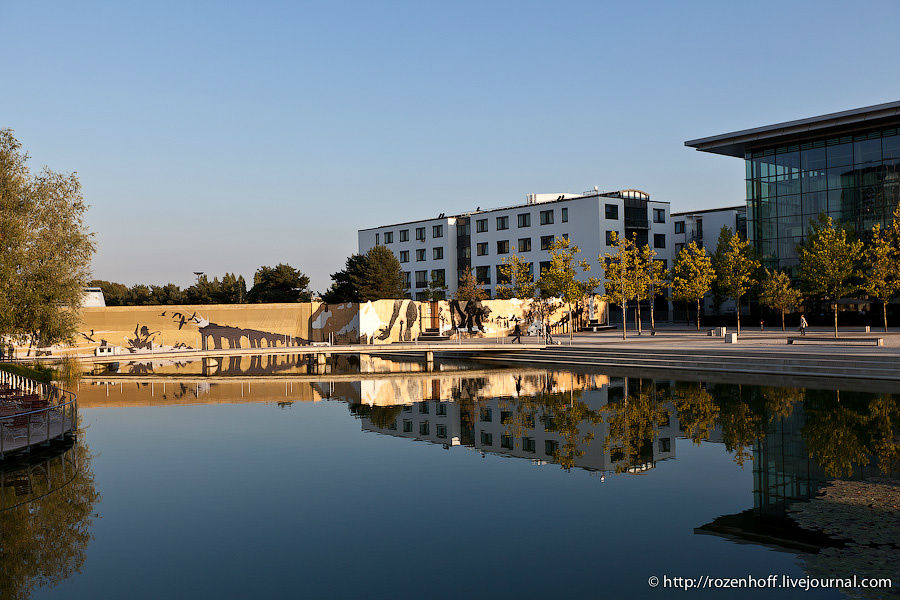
55	419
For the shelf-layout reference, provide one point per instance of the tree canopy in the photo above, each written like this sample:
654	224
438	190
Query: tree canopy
281	283
344	282
692	275
734	265
381	278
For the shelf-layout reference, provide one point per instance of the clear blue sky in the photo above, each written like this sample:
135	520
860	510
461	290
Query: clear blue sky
221	136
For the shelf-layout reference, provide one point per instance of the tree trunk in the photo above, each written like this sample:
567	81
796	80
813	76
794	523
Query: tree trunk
782	320
571	323
652	316
884	312
835	318
637	315
698	314
737	304
624	319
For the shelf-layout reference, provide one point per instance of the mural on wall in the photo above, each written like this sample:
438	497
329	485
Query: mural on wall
386	321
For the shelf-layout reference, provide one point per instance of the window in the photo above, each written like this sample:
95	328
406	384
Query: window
423	428
663	262
506	442
699	228
487	415
420	254
404	256
481	249
377	238
502	223
564	215
441	410
528	444
679	226
406	279
388	237
437	253
483	275
609	238
550	447
659	240
525	220
501	276
439	277
546	217
502	246
679	248
665	444
612	211
505	417
565	236
525	245
421	279
544	265
404	235
441	431
423	408
480	225
421	296
659	215
487	439
407	426
546	242
437	231
420	234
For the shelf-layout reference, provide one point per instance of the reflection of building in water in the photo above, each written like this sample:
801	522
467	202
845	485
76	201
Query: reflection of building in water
527	425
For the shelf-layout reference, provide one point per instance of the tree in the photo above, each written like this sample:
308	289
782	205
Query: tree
778	294
734	265
640	274
468	289
881	279
343	287
657	279
560	278
281	283
516	278
828	262
381	278
692	275
617	267
437	287
45	249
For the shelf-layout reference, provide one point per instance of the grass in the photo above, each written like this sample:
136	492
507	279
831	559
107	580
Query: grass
37	372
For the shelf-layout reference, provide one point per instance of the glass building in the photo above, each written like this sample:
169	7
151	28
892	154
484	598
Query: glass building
846	165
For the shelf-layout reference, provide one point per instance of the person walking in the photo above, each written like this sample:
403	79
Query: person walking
803	325
517	334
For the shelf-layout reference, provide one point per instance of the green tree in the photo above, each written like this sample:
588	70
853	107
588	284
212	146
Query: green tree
560	278
467	289
778	294
692	275
381	278
344	282
881	278
619	285
829	263
437	287
167	294
281	283
516	278
45	249
657	280
734	265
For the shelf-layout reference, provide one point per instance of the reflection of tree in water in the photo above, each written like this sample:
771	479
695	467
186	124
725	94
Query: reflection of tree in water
46	512
564	413
381	416
845	431
634	423
697	411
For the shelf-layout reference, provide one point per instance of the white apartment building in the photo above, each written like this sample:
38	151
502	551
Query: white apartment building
446	247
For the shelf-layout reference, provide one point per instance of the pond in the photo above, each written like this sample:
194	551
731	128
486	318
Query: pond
465	483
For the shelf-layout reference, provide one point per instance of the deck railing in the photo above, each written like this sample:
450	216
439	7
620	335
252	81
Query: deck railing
55	418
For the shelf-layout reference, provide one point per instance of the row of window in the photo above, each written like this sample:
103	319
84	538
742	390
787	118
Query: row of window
438	276
523	220
437	253
437	231
524	245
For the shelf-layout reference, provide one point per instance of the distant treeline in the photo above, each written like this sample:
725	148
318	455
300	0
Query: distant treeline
281	283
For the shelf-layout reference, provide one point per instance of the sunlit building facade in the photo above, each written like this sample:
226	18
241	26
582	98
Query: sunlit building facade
845	165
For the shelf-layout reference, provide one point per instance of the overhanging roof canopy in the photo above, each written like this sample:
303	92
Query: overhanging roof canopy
739	142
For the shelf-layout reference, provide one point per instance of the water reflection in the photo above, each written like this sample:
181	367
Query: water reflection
46	514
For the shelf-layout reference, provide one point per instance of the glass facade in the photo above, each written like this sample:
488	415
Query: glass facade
855	179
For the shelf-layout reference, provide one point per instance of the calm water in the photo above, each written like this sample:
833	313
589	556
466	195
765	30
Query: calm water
520	484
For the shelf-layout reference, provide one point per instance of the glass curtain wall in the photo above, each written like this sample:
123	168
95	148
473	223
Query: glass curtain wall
854	179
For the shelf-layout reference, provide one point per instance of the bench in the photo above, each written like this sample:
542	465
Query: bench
844	340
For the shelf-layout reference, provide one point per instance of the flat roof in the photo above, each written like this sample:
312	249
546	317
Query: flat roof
708	210
737	143
513	207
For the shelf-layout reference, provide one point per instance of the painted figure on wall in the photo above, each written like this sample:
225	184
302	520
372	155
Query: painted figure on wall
470	314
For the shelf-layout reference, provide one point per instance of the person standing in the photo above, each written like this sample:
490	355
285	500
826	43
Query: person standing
517	334
803	325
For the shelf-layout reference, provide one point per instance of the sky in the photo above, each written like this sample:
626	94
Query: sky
221	136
